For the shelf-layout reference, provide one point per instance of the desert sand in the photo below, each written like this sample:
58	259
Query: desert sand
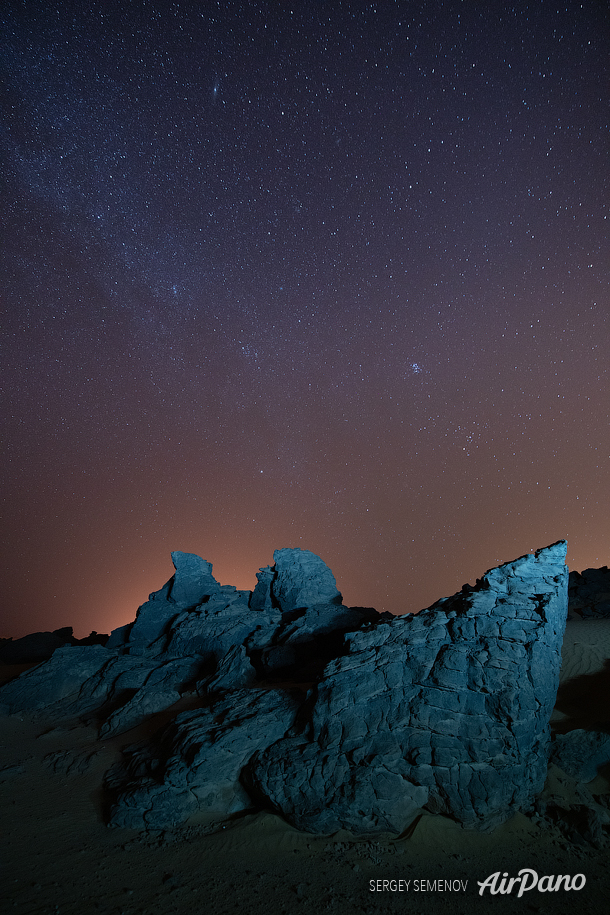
59	858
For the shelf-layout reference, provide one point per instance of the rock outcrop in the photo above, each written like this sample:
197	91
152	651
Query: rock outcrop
589	593
191	585
194	634
195	771
298	578
94	684
335	717
447	710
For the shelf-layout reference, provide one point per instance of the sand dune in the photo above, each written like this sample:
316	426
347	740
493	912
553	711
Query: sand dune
586	648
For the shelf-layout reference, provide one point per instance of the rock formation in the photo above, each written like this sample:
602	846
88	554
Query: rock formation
298	578
335	717
195	770
589	593
446	710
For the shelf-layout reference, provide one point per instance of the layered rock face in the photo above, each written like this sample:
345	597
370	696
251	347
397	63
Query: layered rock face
195	770
335	717
446	710
195	636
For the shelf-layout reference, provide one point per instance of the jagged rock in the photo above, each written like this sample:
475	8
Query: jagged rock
308	638
446	710
222	622
161	688
196	769
234	671
119	636
193	630
57	681
589	593
581	753
193	580
119	690
298	578
191	585
261	596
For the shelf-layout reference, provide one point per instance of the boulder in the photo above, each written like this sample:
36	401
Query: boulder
298	578
447	710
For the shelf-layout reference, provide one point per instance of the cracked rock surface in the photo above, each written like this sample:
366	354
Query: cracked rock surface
447	710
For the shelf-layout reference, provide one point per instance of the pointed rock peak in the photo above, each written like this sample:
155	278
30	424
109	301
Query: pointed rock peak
193	579
548	561
190	561
260	598
557	550
302	579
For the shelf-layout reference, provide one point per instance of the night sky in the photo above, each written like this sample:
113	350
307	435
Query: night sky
332	277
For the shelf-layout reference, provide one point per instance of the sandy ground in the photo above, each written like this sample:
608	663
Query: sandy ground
58	857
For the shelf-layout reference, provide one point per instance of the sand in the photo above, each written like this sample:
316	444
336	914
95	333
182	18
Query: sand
60	859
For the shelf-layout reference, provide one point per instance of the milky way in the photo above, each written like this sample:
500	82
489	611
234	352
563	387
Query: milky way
333	277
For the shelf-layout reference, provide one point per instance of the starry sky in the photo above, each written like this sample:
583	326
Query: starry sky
333	276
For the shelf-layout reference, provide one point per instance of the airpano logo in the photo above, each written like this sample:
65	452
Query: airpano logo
527	880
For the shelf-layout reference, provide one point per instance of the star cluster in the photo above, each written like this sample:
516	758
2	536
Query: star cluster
333	276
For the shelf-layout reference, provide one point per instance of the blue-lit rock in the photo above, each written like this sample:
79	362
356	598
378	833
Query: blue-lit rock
581	753
195	771
298	578
191	585
447	710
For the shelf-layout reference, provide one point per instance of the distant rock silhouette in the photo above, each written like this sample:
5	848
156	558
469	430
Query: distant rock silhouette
335	717
39	646
589	593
